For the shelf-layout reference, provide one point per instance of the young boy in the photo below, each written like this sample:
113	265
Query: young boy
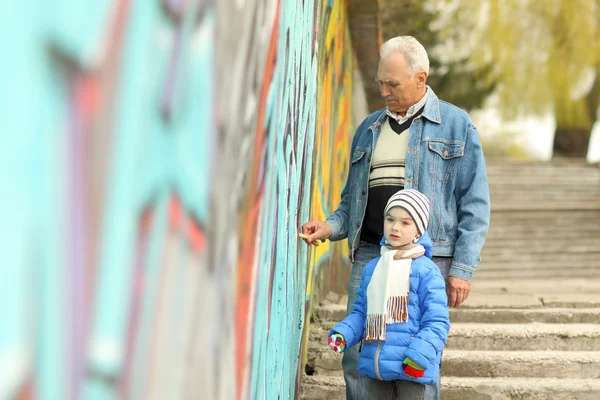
401	309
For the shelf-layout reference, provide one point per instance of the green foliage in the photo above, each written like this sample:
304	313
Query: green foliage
457	80
461	83
540	53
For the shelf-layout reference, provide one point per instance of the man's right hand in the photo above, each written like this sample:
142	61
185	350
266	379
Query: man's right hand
316	230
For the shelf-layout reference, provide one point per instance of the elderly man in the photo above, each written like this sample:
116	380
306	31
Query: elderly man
420	142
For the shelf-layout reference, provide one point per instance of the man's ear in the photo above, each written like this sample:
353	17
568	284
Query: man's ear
421	79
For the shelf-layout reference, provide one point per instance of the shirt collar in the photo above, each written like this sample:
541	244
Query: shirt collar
412	110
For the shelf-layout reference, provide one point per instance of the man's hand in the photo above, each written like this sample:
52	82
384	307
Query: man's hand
316	230
457	290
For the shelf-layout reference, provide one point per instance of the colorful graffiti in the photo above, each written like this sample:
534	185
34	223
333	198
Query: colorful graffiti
298	92
335	127
152	243
110	158
280	66
329	265
150	239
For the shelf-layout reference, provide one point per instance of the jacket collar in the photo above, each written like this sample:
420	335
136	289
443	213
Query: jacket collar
432	108
431	111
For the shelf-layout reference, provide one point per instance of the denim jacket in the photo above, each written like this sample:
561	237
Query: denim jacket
444	161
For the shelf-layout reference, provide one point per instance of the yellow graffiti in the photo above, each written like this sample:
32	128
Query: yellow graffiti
334	131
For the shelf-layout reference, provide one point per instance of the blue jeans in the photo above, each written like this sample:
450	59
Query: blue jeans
397	390
358	387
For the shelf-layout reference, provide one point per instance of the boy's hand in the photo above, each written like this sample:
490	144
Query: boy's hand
337	342
412	369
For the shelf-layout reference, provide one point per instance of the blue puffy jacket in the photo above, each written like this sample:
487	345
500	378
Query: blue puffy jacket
421	338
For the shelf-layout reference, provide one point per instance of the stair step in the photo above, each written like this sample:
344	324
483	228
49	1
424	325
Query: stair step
565	175
554	198
587	252
528	205
319	333
520	316
464	388
533	336
516	265
483	300
574	190
325	361
536	271
561	315
549	177
323	388
515	364
543	364
543	216
508	286
461	388
591	257
331	312
548	184
571	233
551	243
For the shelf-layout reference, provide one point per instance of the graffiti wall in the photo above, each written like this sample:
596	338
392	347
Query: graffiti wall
335	127
329	265
160	161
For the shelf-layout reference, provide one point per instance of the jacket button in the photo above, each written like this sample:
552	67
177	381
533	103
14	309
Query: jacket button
358	225
446	153
368	159
363	192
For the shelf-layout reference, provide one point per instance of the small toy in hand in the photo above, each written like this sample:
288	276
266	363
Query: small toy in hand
337	342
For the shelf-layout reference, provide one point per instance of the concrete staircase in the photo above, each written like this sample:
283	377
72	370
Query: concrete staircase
530	329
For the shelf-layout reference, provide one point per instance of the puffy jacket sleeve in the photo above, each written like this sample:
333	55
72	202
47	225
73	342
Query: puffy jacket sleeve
435	320
353	326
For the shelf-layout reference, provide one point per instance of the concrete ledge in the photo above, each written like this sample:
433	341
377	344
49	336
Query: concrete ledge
532	286
328	362
535	336
481	300
519	316
461	388
323	388
517	364
331	312
488	300
515	205
537	271
519	389
575	300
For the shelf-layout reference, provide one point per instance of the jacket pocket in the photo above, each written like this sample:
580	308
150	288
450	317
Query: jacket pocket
443	156
447	150
357	155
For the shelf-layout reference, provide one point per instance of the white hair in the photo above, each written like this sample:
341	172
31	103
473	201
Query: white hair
414	53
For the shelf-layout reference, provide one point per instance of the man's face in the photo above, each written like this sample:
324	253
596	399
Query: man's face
396	87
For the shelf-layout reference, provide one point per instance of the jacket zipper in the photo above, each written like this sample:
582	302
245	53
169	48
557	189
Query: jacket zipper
376	360
366	199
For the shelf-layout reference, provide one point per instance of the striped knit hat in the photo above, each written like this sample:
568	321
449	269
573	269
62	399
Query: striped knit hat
415	203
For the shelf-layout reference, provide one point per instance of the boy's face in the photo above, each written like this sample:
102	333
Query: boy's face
398	227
